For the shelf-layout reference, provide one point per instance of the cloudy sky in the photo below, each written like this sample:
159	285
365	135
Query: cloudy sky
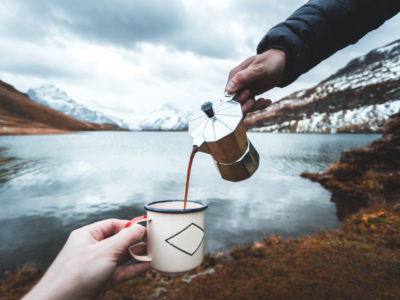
138	55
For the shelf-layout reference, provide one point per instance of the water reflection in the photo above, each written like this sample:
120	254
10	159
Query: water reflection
9	166
50	185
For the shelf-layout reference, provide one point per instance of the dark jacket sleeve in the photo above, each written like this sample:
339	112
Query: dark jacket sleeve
321	27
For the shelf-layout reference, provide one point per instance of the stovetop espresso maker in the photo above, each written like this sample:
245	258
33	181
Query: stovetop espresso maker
218	129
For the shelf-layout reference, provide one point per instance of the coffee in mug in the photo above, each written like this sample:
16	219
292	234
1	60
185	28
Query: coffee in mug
175	236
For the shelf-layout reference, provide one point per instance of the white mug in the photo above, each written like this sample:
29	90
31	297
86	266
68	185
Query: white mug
175	236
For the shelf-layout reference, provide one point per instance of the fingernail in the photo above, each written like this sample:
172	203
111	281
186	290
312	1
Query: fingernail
230	86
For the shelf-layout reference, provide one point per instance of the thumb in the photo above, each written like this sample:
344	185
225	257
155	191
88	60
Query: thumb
126	237
240	80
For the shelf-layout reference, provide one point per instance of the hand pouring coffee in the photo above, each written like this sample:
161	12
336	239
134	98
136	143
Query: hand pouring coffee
218	129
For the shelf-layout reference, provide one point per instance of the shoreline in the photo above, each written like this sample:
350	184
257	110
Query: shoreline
360	260
9	131
15	131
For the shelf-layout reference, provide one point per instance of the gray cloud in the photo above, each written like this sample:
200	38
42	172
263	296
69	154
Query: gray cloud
39	69
201	41
119	23
24	58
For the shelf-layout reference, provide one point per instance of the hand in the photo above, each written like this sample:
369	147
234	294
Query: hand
90	262
254	76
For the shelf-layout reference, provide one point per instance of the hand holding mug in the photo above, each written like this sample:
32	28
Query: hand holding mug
90	262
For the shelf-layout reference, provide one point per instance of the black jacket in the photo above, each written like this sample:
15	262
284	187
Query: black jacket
321	27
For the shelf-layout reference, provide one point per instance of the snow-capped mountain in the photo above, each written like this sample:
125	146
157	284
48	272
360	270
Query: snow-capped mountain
357	98
20	115
165	118
53	97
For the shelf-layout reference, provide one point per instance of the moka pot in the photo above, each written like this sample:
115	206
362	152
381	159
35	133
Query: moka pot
218	129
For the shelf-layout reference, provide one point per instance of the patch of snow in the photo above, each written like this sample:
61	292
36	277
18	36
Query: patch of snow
371	115
53	97
388	48
188	279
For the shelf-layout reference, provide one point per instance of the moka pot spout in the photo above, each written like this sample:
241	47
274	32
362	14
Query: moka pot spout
201	145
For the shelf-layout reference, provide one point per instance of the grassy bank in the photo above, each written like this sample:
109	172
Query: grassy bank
359	261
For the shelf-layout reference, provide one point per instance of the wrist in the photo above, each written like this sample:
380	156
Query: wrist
275	62
53	286
279	54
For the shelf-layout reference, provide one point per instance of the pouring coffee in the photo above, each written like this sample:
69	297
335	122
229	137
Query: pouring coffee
218	129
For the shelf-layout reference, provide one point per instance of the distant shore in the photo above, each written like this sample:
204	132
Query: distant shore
5	130
15	126
31	131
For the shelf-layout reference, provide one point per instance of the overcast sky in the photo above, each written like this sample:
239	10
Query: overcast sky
135	55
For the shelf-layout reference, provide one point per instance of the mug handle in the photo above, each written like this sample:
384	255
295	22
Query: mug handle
137	220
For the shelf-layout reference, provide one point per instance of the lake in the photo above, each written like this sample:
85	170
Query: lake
52	184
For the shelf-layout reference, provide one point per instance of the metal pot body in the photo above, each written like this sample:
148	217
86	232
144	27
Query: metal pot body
242	168
218	129
231	147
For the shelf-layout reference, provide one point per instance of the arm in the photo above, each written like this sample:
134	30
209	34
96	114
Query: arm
320	28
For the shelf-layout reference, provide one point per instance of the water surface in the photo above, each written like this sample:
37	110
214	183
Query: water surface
52	184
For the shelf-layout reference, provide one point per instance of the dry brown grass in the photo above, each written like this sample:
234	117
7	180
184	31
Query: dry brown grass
359	261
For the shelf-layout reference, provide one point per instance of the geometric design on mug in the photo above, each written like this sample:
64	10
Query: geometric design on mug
188	240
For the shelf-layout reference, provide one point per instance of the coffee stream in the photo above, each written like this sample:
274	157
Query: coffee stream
195	149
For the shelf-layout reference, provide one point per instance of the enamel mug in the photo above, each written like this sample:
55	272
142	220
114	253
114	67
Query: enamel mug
175	236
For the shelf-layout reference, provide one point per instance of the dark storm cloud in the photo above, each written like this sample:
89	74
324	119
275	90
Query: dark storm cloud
118	22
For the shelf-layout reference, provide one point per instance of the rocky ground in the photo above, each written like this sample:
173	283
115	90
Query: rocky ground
368	175
359	261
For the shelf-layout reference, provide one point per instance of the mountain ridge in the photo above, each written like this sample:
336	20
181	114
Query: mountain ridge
356	98
165	118
57	99
21	115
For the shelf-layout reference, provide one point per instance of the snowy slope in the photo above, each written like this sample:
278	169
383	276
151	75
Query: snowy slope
165	118
52	97
357	98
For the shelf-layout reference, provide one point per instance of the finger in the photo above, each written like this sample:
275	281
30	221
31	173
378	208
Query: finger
126	237
260	104
247	106
140	249
243	96
241	80
247	62
124	273
241	67
99	230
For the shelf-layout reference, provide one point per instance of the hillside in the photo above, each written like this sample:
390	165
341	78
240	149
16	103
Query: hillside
357	98
51	96
21	115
